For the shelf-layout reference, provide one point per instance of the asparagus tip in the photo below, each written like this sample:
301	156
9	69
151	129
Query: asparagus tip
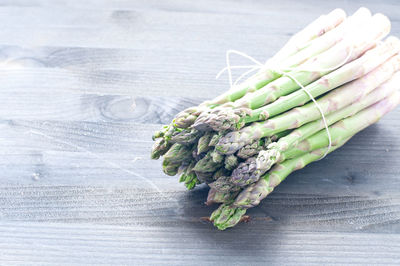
245	173
229	143
160	147
267	158
227	216
221	119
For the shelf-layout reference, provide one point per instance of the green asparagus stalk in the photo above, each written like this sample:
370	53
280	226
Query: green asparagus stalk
353	124
281	150
252	169
338	98
230	119
230	214
300	47
233	141
338	131
348	115
314	30
326	41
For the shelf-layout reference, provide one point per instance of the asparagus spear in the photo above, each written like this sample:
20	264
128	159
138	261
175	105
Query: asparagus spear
281	150
315	29
160	147
207	164
229	214
243	176
185	136
178	153
175	156
228	118
233	141
245	173
170	168
347	127
162	141
323	43
251	170
294	53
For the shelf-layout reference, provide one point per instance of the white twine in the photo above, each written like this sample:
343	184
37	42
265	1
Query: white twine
268	65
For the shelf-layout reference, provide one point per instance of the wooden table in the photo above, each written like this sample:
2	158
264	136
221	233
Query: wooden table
83	84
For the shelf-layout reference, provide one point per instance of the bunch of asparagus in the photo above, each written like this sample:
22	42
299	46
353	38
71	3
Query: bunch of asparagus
243	143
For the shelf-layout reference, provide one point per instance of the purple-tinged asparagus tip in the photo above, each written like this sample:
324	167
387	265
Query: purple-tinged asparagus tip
245	174
229	143
221	119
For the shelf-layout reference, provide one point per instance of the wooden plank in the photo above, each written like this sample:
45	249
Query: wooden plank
25	83
163	30
166	28
92	107
137	205
223	6
100	172
83	86
88	244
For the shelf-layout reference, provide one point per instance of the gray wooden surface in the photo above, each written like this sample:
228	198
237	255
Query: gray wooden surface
83	84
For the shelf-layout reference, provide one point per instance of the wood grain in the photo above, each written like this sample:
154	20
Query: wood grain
63	171
84	84
83	244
